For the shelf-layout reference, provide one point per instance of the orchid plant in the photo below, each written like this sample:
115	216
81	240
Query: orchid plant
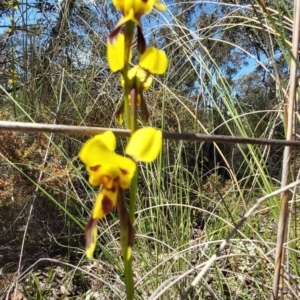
114	172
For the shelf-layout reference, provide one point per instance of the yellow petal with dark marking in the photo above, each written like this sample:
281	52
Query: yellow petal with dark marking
105	202
100	160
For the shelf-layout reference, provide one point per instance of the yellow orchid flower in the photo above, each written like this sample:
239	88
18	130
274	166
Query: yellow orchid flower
151	59
134	9
100	159
144	78
140	102
113	171
154	61
140	81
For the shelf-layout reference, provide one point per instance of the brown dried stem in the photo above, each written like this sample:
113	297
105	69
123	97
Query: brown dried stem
290	117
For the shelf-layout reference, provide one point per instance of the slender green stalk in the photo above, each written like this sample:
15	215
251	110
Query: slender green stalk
127	239
129	278
133	187
131	123
129	28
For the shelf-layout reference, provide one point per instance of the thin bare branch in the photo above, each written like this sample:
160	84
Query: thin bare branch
88	130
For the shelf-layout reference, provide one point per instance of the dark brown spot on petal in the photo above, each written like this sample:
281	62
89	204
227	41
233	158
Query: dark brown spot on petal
107	205
94	168
124	172
112	189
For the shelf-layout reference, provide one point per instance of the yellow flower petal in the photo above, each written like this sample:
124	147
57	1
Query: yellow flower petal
133	72
142	76
154	60
160	6
128	17
127	174
105	202
115	53
145	144
139	7
118	168
147	83
94	150
113	176
90	237
107	175
109	139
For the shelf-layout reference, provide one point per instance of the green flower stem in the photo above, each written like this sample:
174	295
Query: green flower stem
133	191
129	278
127	240
130	119
128	33
133	108
126	102
133	187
